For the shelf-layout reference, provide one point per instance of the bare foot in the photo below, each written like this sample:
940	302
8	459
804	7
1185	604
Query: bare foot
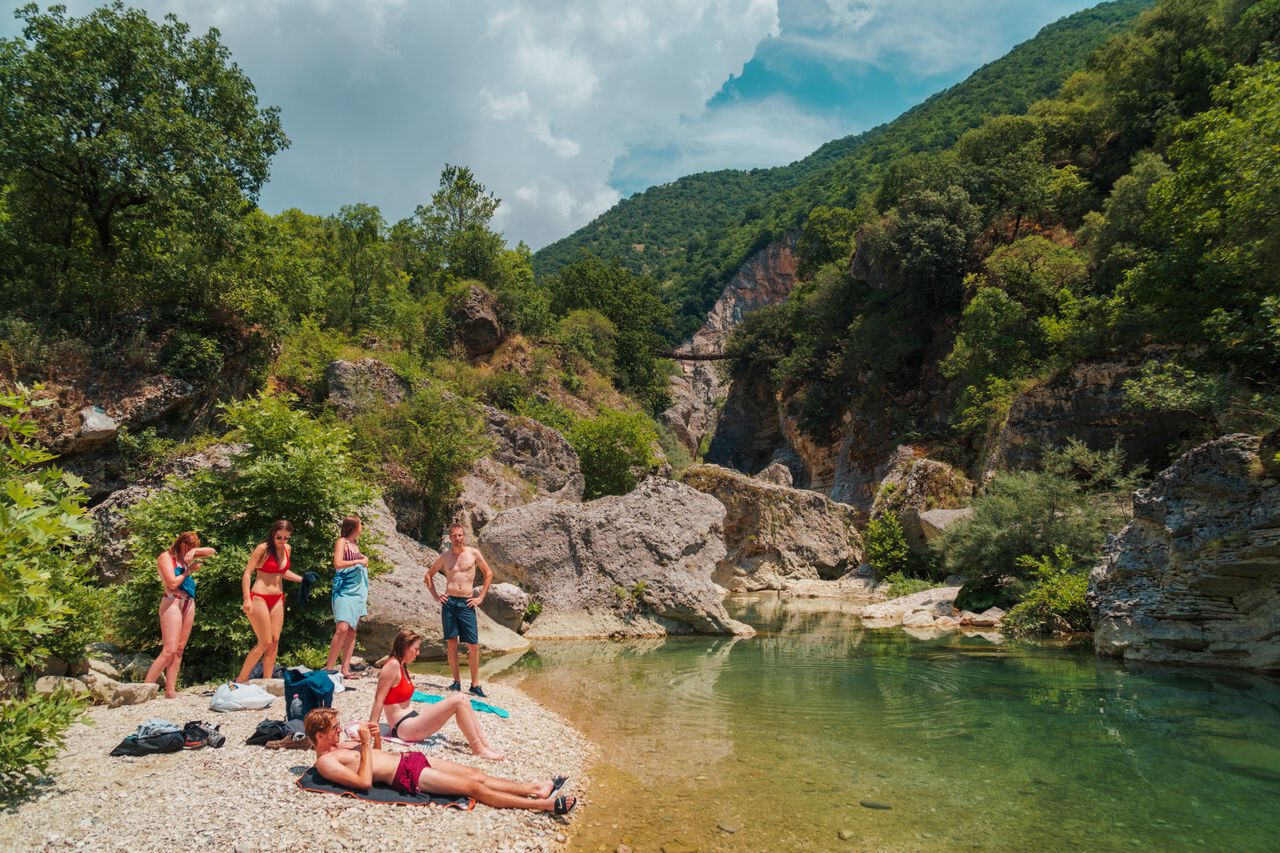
170	695
546	792
488	752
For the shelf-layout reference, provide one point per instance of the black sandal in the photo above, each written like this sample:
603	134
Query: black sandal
559	784
564	805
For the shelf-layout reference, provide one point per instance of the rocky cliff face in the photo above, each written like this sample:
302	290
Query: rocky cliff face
1086	402
774	533
639	564
696	392
1195	577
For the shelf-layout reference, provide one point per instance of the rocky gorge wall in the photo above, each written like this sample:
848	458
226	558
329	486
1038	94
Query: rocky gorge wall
1195	576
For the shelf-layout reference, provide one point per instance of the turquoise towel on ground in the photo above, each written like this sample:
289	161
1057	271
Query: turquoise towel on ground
476	704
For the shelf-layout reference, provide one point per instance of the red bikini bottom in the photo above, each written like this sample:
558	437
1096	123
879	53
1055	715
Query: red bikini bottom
271	600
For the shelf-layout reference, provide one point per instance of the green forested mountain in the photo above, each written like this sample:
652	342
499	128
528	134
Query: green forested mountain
697	230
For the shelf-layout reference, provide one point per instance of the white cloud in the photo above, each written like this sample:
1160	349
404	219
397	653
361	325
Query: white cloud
546	102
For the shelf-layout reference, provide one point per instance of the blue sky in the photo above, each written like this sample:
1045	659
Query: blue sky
562	108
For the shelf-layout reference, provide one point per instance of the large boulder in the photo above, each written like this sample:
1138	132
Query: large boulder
632	565
506	604
1195	576
774	533
357	386
474	321
924	609
78	425
399	599
909	481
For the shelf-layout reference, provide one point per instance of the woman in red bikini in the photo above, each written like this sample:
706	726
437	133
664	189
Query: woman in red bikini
395	690
177	568
264	603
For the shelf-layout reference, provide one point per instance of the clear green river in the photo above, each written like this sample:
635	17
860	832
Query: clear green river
776	742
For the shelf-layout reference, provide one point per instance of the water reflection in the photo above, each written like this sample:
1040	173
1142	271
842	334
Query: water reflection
1009	746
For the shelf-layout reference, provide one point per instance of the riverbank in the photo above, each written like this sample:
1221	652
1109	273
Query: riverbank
244	798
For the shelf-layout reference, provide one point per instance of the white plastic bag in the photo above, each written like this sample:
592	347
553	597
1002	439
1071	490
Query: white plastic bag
240	697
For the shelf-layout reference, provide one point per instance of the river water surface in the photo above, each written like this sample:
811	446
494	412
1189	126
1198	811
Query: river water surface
780	742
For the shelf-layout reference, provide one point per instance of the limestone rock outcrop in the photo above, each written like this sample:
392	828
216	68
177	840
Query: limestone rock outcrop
358	386
921	609
1195	576
506	604
95	424
778	474
639	564
528	461
766	278
475	323
399	599
110	528
774	533
1088	403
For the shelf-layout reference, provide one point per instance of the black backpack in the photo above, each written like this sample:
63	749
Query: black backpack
268	730
197	735
310	690
151	744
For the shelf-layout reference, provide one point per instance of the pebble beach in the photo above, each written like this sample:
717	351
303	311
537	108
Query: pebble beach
245	798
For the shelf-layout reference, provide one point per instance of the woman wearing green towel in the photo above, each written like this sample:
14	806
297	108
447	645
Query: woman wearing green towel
350	595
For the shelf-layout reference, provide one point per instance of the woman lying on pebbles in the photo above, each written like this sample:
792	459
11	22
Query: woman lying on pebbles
410	772
395	690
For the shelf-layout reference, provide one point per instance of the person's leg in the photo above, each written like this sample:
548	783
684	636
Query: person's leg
451	650
336	644
188	610
447	784
348	650
277	625
260	619
510	786
170	632
433	717
473	658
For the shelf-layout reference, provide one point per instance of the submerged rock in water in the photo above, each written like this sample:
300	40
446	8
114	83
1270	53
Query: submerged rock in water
1195	576
639	564
873	804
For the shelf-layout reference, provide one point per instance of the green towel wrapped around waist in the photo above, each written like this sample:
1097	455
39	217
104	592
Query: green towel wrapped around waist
476	704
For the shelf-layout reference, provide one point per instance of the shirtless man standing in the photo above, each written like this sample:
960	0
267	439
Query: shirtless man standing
458	604
359	765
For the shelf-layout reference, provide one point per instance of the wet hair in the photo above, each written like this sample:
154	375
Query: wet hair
319	720
403	641
349	525
271	537
184	543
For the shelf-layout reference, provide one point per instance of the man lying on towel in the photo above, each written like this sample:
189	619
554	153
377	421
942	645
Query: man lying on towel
410	772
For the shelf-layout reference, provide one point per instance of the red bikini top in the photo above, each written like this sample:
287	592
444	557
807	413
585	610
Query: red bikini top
271	567
402	692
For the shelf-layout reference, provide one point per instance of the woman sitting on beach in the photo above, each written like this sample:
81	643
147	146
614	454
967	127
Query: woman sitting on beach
264	603
395	690
412	773
350	595
177	567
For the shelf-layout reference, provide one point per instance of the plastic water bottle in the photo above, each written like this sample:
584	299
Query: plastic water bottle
295	707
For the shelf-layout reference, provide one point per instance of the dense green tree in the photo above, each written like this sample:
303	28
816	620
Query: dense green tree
130	130
827	237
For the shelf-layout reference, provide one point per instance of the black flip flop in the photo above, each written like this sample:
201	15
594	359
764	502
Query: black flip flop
562	807
559	785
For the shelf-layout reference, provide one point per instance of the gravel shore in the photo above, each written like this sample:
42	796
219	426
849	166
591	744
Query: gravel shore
244	798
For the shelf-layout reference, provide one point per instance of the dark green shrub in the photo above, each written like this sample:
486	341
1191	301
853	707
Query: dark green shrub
191	356
900	584
307	351
616	448
590	336
294	467
1056	600
886	546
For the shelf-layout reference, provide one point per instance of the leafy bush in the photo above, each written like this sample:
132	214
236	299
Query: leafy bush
589	335
32	733
307	351
900	584
45	602
1026	514
191	356
1056	600
294	467
433	436
886	546
615	447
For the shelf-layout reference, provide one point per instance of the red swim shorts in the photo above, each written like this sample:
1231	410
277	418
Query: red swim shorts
411	766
